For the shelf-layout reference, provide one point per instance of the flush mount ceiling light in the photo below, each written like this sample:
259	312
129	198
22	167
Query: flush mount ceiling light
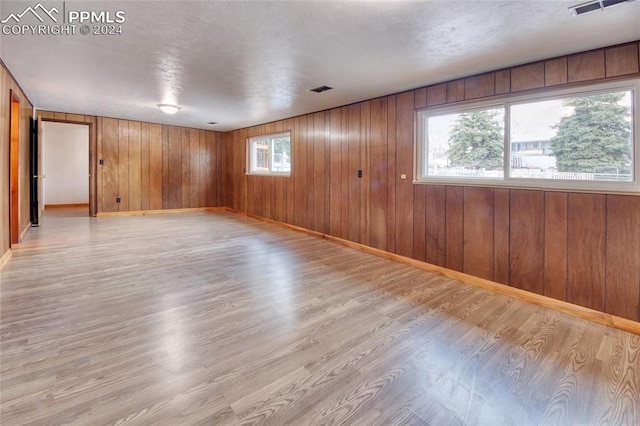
321	89
168	108
212	122
594	5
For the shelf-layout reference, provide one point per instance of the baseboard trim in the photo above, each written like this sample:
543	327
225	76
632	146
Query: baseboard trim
523	295
5	258
163	211
65	206
24	231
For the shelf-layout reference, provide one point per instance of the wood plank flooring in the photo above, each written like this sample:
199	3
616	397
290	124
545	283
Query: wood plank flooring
214	318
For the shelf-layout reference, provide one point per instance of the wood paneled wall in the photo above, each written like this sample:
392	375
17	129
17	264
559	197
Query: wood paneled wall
8	84
577	247
153	166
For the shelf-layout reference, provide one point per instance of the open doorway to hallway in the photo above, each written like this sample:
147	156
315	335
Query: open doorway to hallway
65	160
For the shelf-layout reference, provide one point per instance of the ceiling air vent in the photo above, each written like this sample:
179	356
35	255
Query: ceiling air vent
594	5
321	89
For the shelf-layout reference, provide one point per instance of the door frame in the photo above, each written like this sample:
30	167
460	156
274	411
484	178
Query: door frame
14	168
93	163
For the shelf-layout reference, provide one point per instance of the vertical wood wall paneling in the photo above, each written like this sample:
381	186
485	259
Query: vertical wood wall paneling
623	256
290	182
201	163
185	157
378	171
622	60
525	77
336	199
437	95
586	250
145	167
155	167
480	86
135	166
455	91
212	154
478	220
404	165
327	172
298	167
586	66
454	215
420	222
110	170
123	165
226	176
420	98
526	242
503	81
307	128
319	182
365	180
254	206
231	177
344	172
165	167
304	176
268	186
354	232
555	245
435	212
194	167
501	235
555	72
241	153
175	167
391	173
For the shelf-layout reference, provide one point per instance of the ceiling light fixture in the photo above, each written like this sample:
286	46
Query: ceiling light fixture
169	109
212	122
594	5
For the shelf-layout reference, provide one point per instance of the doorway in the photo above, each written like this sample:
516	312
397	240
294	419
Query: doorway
14	176
65	160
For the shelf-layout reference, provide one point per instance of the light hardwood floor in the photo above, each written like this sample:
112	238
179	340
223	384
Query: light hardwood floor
214	318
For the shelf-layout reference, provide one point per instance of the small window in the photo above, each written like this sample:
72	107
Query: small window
466	144
270	154
583	138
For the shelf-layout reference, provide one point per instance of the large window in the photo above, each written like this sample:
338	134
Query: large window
270	154
581	138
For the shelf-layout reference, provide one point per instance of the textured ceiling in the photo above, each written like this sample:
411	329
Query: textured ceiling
243	63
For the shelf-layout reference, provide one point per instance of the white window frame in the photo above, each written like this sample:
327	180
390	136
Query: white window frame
269	138
420	146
